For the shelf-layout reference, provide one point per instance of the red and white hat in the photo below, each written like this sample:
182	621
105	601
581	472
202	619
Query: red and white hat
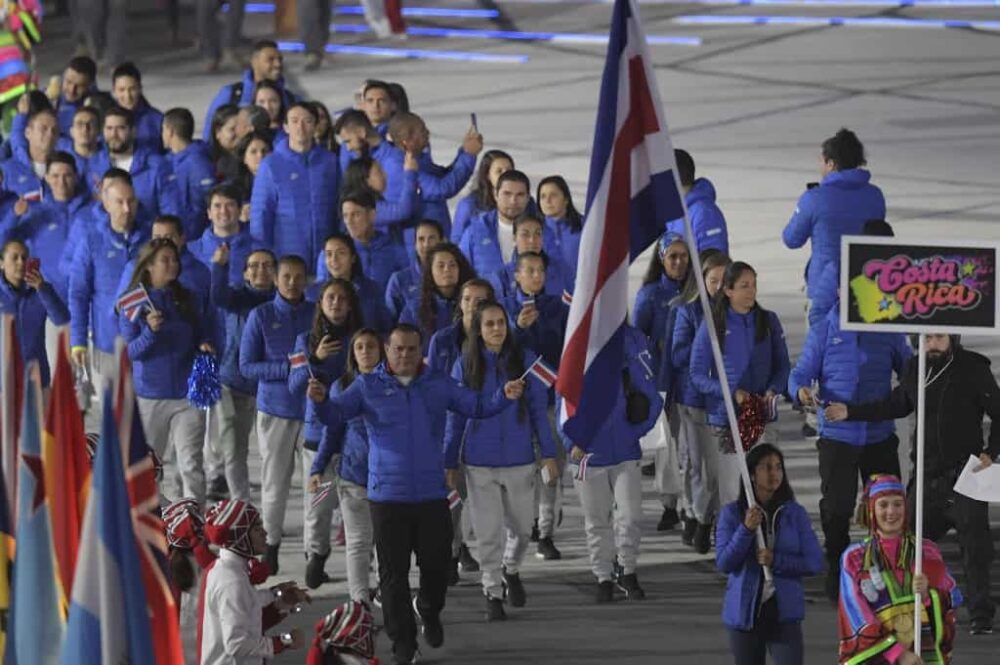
228	524
184	523
347	630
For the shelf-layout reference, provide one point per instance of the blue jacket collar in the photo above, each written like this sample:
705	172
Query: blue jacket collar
848	178
286	307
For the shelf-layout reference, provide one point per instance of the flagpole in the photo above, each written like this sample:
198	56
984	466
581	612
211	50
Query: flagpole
918	563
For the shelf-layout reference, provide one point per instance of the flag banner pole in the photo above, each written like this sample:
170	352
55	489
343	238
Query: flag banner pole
918	526
720	368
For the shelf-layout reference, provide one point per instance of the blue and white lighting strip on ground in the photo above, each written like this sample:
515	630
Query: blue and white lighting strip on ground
516	35
854	21
358	10
809	3
411	53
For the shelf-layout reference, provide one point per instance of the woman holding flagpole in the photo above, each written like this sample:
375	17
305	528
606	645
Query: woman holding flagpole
164	327
499	455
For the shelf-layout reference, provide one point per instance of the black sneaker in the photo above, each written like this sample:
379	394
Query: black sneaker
702	538
981	627
271	558
466	561
687	537
515	589
808	431
404	655
630	585
649	470
453	573
315	575
494	609
431	627
668	520
605	592
547	549
535	533
218	489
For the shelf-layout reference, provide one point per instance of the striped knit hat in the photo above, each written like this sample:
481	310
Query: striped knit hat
228	524
347	630
184	523
878	486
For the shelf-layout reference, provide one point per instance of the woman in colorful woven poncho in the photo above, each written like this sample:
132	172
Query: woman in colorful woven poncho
18	35
877	585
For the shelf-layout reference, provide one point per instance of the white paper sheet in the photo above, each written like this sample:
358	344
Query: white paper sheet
979	484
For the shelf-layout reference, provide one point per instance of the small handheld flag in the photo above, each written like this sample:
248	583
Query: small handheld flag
454	500
133	303
321	493
581	469
298	361
541	371
32	197
567	297
528	302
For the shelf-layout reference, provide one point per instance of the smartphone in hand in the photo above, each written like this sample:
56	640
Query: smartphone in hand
34	265
475	123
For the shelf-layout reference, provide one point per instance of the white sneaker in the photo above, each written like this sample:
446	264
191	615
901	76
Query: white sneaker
381	28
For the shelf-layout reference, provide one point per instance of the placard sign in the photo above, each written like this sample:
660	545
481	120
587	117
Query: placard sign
918	286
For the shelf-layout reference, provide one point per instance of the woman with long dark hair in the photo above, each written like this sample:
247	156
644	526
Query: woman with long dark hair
446	343
250	152
499	455
404	285
350	441
324	128
493	165
445	269
562	220
764	613
268	96
756	361
223	139
163	335
701	472
338	316
340	260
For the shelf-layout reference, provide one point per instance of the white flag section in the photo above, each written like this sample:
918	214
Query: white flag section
978	483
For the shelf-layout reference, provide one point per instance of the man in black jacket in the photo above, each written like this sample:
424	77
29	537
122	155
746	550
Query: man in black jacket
960	388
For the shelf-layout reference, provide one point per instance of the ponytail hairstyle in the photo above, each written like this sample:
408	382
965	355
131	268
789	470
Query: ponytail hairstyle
511	356
321	325
710	260
720	306
352	372
845	150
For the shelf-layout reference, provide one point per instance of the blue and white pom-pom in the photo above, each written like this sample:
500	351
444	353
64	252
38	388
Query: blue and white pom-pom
204	387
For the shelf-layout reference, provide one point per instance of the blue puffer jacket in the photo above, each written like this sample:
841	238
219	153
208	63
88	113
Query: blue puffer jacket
467	209
161	361
236	302
445	347
194	277
687	321
756	367
394	211
406	429
403	286
30	308
327	371
796	555
64	119
350	439
293	207
45	230
19	175
545	336
443	316
653	315
480	245
618	439
557	278
563	241
148	127
851	367
97	267
373	311
437	184
89	217
825	295
379	259
240	94
707	221
152	178
506	438
268	337
840	206
195	176
240	247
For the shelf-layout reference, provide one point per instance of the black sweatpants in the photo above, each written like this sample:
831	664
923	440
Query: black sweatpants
945	509
402	529
840	467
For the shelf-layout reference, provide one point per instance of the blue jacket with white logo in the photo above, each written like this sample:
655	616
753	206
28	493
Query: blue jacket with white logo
406	428
236	302
557	278
379	259
152	178
327	371
707	221
753	366
851	367
195	177
506	438
19	174
839	206
98	264
444	310
240	94
161	360
654	316
480	244
545	335
350	439
268	338
240	247
686	323
618	439
30	309
445	347
466	210
293	207
373	311
404	285
148	127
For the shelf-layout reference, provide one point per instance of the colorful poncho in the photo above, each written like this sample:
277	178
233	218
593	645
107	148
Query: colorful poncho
18	36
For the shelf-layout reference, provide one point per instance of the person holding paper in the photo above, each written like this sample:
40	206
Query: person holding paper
877	585
498	454
608	479
960	389
764	613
